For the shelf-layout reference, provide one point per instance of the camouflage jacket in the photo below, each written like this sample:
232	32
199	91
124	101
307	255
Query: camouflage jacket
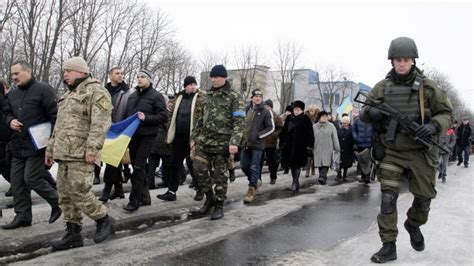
84	116
221	120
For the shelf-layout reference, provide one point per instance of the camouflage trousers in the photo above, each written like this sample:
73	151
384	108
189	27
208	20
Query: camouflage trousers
75	196
210	169
421	175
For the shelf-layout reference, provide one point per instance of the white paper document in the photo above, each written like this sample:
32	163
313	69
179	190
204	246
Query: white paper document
40	134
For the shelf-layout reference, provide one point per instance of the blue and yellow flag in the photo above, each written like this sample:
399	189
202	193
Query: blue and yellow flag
117	139
345	107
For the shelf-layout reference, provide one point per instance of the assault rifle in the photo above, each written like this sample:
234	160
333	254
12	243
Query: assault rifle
397	119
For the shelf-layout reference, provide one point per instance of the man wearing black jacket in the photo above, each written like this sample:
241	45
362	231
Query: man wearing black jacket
33	103
463	142
119	91
258	125
4	138
179	131
151	109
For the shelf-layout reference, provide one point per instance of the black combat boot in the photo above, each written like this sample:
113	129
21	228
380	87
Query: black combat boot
231	175
208	204
105	228
388	252
106	192
118	191
199	196
417	240
72	239
218	211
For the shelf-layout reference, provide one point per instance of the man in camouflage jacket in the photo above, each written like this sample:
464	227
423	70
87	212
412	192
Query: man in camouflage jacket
217	133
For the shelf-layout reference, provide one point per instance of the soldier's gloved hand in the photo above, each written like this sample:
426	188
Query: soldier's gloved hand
375	114
427	130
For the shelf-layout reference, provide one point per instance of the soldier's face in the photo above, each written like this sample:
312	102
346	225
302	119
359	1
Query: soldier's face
116	76
402	65
143	82
70	76
20	76
217	82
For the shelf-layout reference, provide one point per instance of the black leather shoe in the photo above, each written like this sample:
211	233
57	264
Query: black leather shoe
130	207
16	223
168	196
273	181
55	214
417	240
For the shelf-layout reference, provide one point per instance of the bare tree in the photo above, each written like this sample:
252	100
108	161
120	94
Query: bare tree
287	55
334	81
247	60
207	60
442	80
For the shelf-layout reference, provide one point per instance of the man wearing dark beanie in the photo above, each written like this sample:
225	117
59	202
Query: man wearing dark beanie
217	133
180	126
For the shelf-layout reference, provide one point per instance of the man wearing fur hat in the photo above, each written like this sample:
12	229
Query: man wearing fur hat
84	116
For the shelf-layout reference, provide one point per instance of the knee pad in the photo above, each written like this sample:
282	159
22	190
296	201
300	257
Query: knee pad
422	204
389	202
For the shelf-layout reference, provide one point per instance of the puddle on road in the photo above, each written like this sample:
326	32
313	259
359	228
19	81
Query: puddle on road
317	226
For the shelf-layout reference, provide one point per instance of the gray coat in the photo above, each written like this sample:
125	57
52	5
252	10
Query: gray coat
325	142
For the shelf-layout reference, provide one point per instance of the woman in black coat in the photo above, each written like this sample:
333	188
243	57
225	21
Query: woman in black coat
346	141
298	143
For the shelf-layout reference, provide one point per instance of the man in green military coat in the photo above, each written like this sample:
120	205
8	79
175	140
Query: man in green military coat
216	134
406	89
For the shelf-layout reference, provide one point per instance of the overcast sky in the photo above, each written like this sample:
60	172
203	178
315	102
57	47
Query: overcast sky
354	35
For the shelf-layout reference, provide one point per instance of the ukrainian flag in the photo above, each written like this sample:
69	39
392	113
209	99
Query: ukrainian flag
117	140
345	107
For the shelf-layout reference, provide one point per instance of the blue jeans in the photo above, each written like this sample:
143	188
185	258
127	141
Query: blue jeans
250	164
443	165
463	151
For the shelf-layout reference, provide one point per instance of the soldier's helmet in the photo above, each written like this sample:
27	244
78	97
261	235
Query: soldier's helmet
402	47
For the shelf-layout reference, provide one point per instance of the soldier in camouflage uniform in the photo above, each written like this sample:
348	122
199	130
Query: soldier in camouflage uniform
84	116
406	89
217	133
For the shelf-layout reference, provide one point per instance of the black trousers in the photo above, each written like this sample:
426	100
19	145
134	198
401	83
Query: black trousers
179	151
5	161
153	163
29	174
140	147
271	156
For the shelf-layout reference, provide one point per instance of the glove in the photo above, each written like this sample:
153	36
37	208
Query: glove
309	152
426	130
375	114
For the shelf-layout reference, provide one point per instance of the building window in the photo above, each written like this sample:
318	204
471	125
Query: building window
337	99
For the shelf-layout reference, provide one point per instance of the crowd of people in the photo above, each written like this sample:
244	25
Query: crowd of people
209	130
